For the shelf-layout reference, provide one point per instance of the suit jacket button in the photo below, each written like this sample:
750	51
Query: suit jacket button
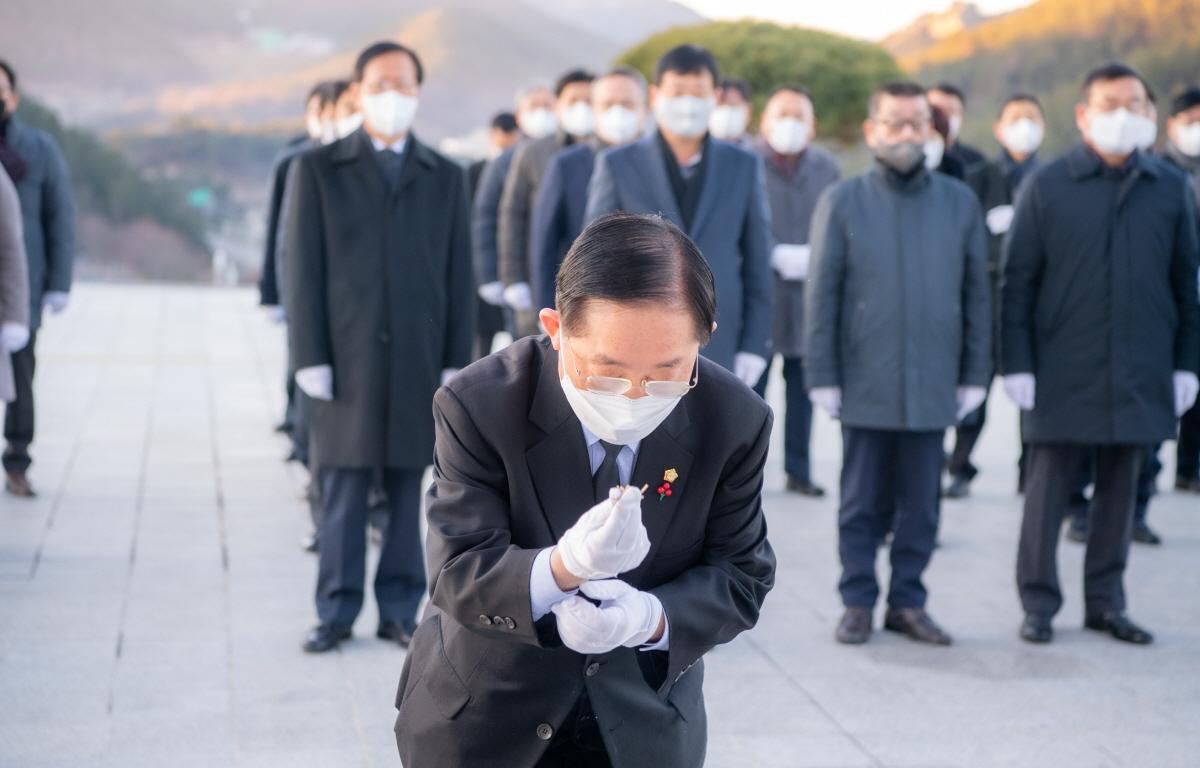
485	620
544	731
592	669
498	621
508	622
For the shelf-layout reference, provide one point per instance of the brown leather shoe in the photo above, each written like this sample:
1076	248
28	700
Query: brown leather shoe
18	485
915	623
855	626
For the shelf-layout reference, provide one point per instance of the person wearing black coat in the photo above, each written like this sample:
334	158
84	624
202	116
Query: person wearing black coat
1019	129
1100	340
381	310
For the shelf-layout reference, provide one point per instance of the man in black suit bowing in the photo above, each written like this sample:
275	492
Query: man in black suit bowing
531	652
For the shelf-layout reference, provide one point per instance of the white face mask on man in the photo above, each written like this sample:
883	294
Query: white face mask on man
538	123
787	135
684	116
578	120
1023	136
389	113
728	122
1118	132
1187	139
348	124
618	125
616	419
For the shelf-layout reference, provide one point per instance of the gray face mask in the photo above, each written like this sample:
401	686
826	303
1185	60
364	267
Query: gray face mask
903	157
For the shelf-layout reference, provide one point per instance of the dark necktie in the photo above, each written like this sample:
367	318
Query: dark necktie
607	476
392	163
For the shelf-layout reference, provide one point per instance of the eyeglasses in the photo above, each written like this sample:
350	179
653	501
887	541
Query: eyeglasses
610	385
895	127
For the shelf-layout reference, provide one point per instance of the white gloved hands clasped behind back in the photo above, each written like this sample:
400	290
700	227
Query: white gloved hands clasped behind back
608	539
625	617
56	301
749	367
791	261
519	296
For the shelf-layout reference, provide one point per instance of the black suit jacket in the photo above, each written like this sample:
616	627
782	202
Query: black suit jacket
511	474
380	287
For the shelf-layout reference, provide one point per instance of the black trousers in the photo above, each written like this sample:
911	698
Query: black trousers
18	415
490	322
1052	472
1187	450
966	435
884	470
400	577
797	418
1147	486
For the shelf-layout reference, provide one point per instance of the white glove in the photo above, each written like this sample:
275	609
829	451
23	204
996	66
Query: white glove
791	261
608	539
1021	388
492	293
317	382
625	617
275	313
518	296
55	301
1186	388
14	336
828	399
749	367
969	398
448	374
999	219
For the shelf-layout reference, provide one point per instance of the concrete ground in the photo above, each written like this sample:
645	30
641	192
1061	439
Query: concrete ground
154	597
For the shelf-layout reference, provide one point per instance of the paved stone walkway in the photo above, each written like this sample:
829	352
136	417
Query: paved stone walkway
154	597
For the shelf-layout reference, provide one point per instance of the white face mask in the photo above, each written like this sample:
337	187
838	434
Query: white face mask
577	120
1022	136
389	113
955	126
728	122
349	124
618	125
313	127
1147	132
538	123
618	419
934	150
1116	133
684	116
787	135
1187	139
328	131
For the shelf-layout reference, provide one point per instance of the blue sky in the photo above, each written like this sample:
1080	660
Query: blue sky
868	19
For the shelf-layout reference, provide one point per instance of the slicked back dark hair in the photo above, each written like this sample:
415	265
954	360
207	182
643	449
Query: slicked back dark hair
687	60
632	258
325	92
953	90
570	78
505	121
905	89
1184	101
1021	97
12	73
1114	70
383	47
739	84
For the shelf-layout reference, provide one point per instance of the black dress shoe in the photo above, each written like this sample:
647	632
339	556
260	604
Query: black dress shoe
1036	629
959	488
855	626
1077	530
17	484
309	543
915	623
396	631
325	637
804	488
1188	484
1120	627
1143	535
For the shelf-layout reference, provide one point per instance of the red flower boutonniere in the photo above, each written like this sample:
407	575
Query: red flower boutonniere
669	477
